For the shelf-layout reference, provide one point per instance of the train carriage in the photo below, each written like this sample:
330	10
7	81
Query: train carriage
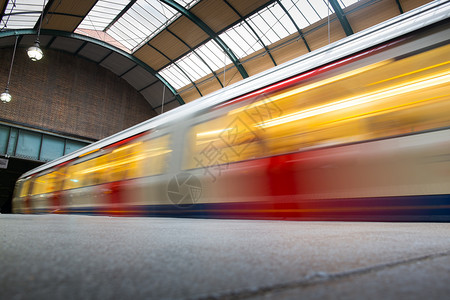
357	130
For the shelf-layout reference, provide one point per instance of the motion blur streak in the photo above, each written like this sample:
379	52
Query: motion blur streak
414	86
363	137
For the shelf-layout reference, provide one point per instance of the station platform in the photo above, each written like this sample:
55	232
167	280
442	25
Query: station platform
90	257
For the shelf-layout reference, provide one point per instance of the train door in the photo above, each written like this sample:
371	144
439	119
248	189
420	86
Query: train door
114	175
221	153
56	200
80	188
157	159
135	172
21	200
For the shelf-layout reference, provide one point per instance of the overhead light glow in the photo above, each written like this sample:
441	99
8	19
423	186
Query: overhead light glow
416	85
34	52
6	96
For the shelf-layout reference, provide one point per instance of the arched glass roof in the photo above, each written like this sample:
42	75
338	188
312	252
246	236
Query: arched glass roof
189	42
131	23
264	27
22	14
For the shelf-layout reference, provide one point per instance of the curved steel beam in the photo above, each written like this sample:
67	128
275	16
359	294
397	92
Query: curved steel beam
99	43
177	66
124	11
210	32
252	29
196	54
400	8
300	32
2	14
342	18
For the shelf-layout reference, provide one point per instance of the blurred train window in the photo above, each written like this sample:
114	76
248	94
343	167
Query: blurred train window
222	140
137	159
98	170
60	174
132	160
354	103
122	162
38	185
82	174
87	178
75	176
154	156
388	98
24	188
46	183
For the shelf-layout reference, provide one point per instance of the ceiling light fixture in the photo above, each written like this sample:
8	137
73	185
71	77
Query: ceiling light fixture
34	52
6	96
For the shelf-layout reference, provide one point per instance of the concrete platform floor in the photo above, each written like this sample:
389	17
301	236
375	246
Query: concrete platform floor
86	257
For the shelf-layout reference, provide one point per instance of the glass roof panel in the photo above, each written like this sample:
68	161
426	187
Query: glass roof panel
125	35
322	8
296	13
193	64
187	3
213	55
25	14
241	40
287	23
306	9
174	76
143	20
271	24
191	67
102	14
345	3
307	12
262	28
284	25
140	21
196	62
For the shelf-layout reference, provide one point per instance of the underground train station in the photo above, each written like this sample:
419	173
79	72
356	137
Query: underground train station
224	149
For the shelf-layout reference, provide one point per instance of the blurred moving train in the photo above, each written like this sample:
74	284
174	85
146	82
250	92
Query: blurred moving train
358	130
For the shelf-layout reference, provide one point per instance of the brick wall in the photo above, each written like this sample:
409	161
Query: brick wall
69	94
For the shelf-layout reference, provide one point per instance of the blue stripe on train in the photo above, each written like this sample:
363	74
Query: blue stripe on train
402	208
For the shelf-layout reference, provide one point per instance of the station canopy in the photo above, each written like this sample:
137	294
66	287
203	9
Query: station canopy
179	50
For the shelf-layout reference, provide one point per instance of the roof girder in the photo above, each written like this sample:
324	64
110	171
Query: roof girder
342	18
178	67
400	8
217	33
211	33
198	56
55	33
300	32
253	30
126	8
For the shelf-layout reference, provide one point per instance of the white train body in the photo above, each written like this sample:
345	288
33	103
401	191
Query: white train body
358	130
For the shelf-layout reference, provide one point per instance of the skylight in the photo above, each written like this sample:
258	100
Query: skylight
131	23
261	29
242	40
24	15
193	66
102	14
175	77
